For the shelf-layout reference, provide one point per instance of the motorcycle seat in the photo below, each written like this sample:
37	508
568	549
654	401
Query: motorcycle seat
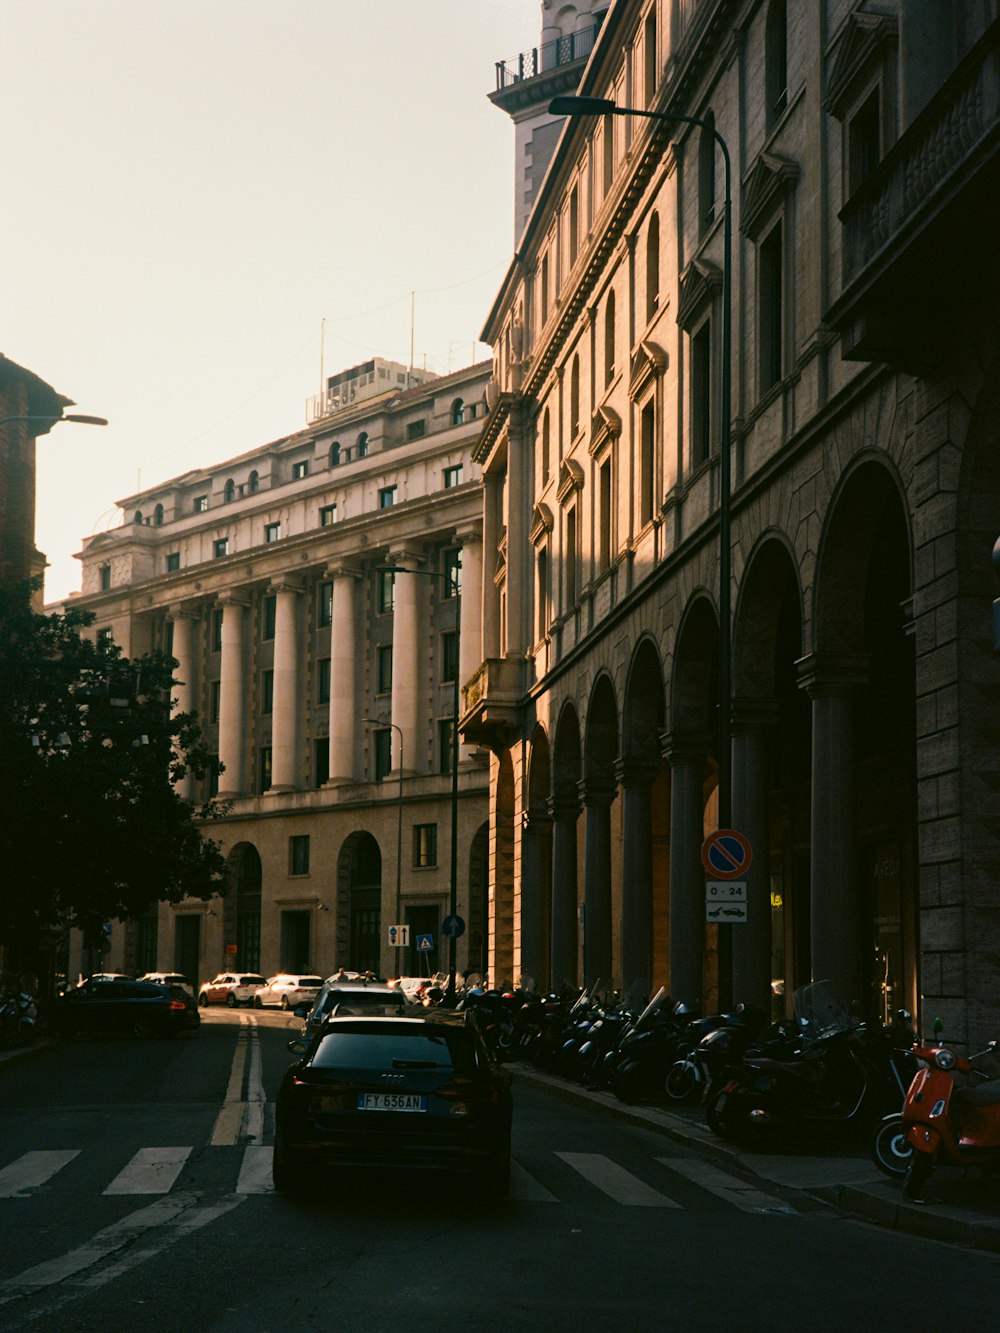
983	1094
807	1071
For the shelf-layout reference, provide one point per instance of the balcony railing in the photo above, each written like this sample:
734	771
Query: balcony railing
549	56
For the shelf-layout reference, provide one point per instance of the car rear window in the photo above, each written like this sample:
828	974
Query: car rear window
385	1048
382	1008
308	981
252	981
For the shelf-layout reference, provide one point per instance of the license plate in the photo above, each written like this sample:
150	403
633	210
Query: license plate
391	1101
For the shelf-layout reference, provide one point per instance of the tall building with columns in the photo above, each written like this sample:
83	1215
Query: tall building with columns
324	683
845	550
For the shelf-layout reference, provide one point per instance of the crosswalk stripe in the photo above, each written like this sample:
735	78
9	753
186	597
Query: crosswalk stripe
151	1171
32	1170
615	1181
719	1182
525	1188
255	1171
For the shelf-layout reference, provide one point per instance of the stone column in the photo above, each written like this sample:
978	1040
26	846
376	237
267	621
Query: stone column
565	893
834	912
232	699
406	675
635	777
687	878
492	486
470	645
597	960
536	860
343	674
284	713
753	722
184	695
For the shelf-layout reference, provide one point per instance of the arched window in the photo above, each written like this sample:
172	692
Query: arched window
546	447
158	516
253	482
609	340
230	491
653	267
706	175
457	412
335	454
574	397
363	444
776	62
138	516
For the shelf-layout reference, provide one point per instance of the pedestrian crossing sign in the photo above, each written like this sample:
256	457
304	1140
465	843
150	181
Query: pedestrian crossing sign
425	943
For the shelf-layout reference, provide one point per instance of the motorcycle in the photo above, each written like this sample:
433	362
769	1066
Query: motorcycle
720	1042
645	1052
951	1113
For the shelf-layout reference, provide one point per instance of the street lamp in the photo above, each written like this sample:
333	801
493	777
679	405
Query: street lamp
602	106
453	898
399	821
79	417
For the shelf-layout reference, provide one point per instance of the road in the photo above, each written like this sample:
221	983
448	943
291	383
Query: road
135	1191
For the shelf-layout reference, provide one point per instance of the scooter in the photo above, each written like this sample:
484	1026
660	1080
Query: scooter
951	1113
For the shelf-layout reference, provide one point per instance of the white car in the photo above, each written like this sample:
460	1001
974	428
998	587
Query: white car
288	989
169	979
230	988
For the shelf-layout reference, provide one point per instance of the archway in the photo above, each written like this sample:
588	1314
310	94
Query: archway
600	790
502	923
359	903
479	901
536	863
242	908
565	807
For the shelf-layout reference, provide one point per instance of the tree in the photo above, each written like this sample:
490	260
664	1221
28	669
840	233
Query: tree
92	827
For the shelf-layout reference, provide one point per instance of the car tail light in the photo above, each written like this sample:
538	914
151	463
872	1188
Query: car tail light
177	1004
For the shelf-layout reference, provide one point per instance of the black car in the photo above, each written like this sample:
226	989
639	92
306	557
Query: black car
399	1093
137	1008
354	999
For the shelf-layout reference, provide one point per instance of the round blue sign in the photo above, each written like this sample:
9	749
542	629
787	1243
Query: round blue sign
452	927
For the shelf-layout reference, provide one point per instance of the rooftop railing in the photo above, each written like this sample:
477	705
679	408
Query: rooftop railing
548	56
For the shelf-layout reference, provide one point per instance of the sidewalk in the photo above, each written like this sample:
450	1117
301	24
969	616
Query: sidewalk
963	1209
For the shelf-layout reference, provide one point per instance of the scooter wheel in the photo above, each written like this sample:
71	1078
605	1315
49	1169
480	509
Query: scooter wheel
891	1150
917	1174
682	1082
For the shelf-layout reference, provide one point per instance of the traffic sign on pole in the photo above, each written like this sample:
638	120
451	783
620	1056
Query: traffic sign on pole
452	927
726	854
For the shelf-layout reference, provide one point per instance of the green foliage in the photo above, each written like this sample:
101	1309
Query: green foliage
93	828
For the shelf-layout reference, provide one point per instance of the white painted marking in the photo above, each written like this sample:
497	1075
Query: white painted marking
151	1171
526	1189
32	1170
253	1119
255	1172
719	1182
615	1181
229	1121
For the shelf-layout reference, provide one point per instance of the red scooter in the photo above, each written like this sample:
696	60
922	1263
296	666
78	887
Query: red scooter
952	1113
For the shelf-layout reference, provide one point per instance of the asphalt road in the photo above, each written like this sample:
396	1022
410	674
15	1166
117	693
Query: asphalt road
135	1192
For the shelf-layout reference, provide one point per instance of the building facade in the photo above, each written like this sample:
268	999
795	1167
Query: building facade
862	490
325	684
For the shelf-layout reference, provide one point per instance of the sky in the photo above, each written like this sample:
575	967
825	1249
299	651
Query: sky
195	186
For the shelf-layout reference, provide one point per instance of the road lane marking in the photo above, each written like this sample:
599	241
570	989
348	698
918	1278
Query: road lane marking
151	1171
33	1169
229	1121
526	1189
615	1181
255	1172
253	1119
719	1182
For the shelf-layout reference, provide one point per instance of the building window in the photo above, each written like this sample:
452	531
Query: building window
298	854
570	562
701	394
214	698
604	518
158	516
264	769
173	562
383	753
653	267
323	681
446	732
104	637
325	607
268	617
327	516
267	692
363	444
449	655
386	596
451	566
386	497
647	456
543	290
384	669
706	174
607	154
300	469
335	454
864	142
416	429
574	398
200	504
457	412
253	483
321	761
424	845
609	340
770	307
453	476
229	494
272	532
546	447
574	225
220	547
542	594
649	59
105	577
217	616
775	63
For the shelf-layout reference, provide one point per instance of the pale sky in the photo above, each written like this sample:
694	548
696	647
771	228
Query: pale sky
192	186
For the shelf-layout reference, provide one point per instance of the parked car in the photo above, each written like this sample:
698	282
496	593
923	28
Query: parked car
287	989
231	988
138	1008
170	979
352	999
394	1092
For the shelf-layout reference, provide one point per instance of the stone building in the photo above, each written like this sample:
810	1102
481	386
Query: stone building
863	488
325	684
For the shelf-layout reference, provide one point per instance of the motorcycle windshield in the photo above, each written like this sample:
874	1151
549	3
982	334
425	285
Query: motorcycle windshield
818	1010
657	1002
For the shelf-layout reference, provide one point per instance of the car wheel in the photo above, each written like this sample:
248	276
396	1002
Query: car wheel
231	1000
287	1174
258	1003
284	1001
203	1001
142	1028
